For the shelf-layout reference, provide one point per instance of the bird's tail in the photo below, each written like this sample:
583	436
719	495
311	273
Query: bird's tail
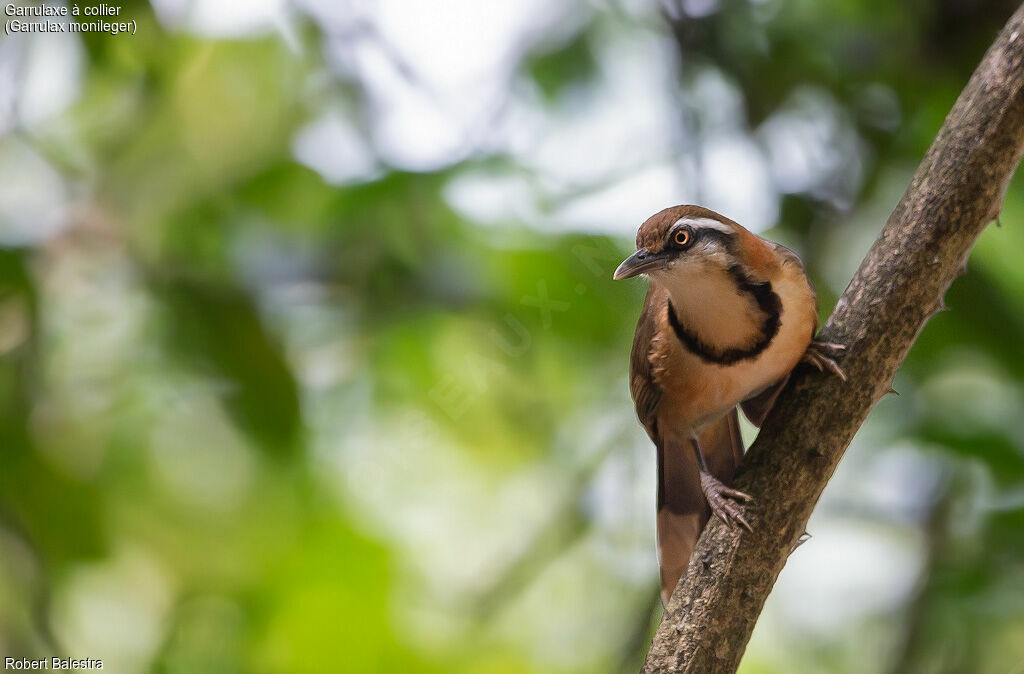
682	509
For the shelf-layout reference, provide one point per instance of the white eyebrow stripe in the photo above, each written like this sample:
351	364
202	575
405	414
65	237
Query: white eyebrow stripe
709	223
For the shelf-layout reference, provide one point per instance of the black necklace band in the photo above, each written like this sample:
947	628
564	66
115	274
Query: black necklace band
767	301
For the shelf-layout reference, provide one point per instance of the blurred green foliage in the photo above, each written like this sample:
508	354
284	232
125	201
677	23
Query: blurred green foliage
258	419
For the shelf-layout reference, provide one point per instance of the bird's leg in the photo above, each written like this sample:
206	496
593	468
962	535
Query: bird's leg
821	355
718	494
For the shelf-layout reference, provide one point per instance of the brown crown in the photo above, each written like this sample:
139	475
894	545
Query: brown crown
654	232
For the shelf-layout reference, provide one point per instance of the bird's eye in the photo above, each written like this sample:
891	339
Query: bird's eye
681	237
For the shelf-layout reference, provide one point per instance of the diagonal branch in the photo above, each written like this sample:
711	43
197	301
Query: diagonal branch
957	190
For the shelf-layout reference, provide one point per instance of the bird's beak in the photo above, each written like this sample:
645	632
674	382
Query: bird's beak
638	263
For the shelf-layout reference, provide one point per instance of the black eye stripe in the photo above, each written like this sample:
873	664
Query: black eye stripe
717	235
700	234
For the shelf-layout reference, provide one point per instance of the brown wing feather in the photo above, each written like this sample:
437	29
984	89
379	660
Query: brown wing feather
756	407
645	390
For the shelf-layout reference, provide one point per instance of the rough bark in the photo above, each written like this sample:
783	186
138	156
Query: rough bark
957	190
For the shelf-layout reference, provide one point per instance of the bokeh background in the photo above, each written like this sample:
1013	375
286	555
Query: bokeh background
311	360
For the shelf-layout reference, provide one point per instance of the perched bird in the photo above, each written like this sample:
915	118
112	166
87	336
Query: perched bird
727	316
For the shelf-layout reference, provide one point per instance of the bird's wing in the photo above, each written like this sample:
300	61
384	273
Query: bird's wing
788	257
642	384
756	407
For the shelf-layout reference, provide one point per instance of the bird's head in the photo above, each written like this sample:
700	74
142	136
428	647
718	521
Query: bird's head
684	240
722	282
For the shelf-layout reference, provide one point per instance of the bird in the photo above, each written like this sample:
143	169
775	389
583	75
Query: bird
728	315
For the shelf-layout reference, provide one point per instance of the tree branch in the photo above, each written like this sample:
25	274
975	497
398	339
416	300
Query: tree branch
957	190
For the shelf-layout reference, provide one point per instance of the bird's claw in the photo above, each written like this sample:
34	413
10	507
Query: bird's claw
821	355
801	539
718	496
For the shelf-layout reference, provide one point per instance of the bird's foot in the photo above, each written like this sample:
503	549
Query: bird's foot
718	496
821	355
